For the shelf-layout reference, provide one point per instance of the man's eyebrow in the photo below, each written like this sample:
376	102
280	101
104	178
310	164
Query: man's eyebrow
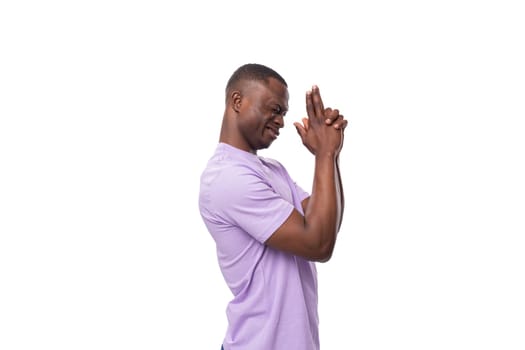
281	108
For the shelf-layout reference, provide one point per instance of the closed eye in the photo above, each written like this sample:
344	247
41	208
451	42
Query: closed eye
279	110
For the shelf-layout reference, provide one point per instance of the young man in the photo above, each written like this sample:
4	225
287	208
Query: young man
269	232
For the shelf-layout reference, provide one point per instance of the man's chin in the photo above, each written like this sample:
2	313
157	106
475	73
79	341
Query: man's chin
266	145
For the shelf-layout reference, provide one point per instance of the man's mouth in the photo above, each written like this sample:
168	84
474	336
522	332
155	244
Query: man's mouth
273	131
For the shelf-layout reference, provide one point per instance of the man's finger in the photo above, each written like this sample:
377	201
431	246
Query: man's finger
300	130
306	123
341	124
310	105
317	101
331	115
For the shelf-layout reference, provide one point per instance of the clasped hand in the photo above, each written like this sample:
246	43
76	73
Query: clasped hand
323	130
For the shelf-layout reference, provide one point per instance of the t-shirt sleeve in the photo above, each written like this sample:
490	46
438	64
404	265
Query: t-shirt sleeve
245	200
302	194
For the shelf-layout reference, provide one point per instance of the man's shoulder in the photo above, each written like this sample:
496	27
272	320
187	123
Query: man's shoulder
271	162
276	166
227	167
229	176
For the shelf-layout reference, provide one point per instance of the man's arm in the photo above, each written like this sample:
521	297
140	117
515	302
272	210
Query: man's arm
313	235
339	184
339	123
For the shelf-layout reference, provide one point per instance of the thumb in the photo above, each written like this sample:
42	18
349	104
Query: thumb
306	123
300	130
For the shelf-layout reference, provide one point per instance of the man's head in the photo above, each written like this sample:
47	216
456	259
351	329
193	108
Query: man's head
252	72
256	102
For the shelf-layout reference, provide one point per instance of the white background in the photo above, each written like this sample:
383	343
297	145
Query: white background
110	109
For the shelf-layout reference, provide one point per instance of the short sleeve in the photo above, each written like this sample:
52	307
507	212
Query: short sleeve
247	201
301	194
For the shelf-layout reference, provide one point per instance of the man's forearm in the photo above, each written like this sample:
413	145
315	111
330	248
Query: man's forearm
323	214
340	192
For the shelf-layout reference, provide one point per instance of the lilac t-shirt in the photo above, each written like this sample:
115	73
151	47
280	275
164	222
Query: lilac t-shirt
243	200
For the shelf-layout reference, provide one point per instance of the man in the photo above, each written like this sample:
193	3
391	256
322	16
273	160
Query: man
268	231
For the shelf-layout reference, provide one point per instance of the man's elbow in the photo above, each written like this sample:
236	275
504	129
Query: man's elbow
322	245
325	253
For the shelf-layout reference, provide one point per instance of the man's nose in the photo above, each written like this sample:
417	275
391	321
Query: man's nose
279	120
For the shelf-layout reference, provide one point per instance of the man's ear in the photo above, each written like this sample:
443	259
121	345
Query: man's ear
236	99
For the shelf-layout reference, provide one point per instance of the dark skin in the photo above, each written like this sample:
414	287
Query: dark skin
254	114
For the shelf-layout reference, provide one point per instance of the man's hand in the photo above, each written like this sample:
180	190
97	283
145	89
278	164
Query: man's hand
315	131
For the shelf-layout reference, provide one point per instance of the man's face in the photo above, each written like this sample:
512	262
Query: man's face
262	111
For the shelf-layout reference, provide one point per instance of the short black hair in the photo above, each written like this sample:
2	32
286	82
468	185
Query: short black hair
253	72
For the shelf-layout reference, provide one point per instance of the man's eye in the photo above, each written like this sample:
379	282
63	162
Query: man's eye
277	111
